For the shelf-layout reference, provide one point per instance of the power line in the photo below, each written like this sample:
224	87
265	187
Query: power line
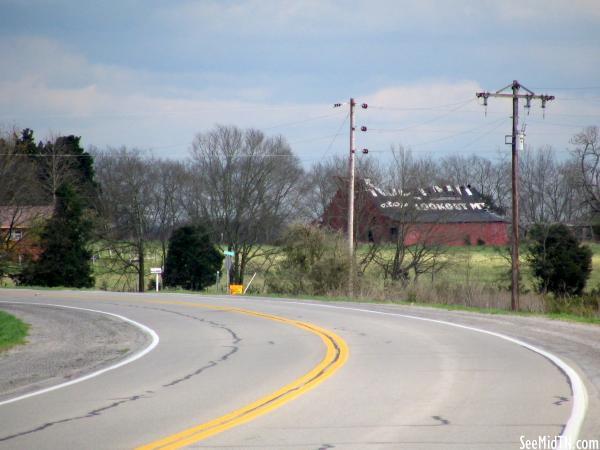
430	108
302	121
434	118
319	138
574	88
433	141
482	135
336	135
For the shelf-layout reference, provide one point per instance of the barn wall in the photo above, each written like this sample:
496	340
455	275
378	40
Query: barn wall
494	233
368	219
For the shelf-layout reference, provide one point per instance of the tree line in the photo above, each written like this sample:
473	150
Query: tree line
245	188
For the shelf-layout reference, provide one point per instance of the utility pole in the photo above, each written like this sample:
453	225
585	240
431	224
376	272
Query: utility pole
351	194
351	171
515	137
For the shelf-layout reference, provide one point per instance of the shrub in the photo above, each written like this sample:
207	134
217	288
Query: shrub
559	262
314	262
192	259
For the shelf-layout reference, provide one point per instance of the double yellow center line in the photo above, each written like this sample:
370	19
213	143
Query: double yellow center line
335	357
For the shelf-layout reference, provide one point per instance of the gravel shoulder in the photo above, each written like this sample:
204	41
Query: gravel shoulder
63	344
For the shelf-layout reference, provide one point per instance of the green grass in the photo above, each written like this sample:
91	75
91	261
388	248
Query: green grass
463	267
469	264
492	311
13	331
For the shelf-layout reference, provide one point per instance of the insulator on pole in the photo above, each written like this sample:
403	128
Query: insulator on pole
363	128
365	151
337	105
364	106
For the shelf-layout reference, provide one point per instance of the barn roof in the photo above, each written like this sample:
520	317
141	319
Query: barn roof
435	204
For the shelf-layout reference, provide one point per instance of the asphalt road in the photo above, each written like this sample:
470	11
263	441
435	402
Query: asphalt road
407	384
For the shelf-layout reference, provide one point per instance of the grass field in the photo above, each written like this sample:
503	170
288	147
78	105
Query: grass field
12	331
463	266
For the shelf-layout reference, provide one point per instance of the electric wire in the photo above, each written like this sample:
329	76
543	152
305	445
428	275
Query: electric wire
497	122
428	121
336	135
430	108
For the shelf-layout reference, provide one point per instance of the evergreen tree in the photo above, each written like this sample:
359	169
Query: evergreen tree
559	262
65	259
61	161
192	259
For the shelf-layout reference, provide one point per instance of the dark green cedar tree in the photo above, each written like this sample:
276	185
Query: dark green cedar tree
192	259
65	258
560	263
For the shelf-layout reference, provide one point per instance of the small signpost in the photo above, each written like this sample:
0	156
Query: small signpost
228	254
158	272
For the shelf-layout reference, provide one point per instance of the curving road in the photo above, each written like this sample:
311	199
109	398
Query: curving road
406	384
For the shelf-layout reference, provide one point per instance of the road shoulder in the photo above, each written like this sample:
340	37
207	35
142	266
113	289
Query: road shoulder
63	344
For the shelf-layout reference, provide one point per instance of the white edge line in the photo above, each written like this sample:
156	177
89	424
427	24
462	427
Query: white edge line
580	397
138	355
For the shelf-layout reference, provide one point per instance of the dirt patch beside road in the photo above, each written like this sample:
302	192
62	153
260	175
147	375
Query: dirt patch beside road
63	344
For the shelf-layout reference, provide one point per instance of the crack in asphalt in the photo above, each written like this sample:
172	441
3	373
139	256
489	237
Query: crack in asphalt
235	339
210	365
233	347
560	400
93	413
441	420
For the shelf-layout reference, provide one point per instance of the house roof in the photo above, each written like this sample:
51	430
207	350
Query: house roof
23	216
435	204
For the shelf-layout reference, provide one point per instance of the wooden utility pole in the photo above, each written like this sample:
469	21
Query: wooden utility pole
351	182
351	199
515	270
515	86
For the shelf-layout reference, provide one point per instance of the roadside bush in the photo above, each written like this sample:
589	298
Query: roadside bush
192	259
584	306
314	262
560	264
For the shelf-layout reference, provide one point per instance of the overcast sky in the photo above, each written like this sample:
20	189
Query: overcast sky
152	74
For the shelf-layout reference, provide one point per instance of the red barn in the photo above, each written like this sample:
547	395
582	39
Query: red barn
447	215
16	224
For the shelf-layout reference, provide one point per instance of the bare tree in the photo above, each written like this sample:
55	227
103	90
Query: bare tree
168	198
127	205
491	179
537	169
587	152
327	177
566	194
416	246
549	190
247	187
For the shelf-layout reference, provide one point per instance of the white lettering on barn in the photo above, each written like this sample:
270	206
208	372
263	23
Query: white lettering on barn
431	206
